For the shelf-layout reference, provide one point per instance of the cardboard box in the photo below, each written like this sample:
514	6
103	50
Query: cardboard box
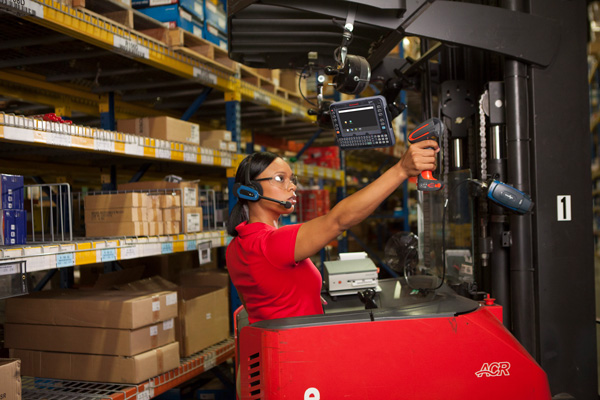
169	201
104	229
131	214
217	144
171	214
165	128
11	191
192	219
10	379
189	190
117	201
14	227
98	368
92	308
220	134
203	318
76	339
203	311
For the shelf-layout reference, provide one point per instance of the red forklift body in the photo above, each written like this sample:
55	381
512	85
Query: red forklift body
440	346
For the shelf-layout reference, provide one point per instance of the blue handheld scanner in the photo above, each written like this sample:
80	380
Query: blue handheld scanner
509	197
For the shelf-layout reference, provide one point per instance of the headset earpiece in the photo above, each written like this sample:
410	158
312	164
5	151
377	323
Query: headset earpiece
251	190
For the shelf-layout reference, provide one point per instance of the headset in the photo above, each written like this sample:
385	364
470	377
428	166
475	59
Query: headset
252	190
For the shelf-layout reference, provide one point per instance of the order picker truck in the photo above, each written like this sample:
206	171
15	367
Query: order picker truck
509	81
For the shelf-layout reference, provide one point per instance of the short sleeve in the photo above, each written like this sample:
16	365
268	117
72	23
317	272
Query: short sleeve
279	245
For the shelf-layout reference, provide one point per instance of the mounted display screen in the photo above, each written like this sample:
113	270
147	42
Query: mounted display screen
362	123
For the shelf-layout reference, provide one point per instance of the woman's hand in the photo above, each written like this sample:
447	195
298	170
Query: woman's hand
420	156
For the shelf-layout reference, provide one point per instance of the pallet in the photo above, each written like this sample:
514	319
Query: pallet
186	43
261	78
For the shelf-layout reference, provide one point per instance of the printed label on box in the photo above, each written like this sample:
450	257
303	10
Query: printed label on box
156	306
208	315
168	325
171	299
189	197
154	330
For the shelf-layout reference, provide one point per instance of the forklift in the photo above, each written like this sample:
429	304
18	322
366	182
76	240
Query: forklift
506	84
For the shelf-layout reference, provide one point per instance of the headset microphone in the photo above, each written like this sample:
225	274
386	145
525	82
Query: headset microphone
286	204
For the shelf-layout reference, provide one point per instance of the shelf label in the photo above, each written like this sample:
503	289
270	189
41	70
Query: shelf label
563	206
166	248
262	98
104	145
145	395
108	255
131	47
134	149
163	153
190	157
58	139
204	76
65	260
10	268
190	245
24	7
129	252
210	360
208	160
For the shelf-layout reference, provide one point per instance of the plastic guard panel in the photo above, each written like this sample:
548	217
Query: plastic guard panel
446	357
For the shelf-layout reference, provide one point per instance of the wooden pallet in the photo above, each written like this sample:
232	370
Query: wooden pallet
191	45
261	78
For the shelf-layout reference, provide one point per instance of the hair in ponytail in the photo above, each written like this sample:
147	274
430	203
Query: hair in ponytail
250	167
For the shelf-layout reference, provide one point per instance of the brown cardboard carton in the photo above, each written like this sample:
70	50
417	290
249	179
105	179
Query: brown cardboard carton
92	308
189	189
117	200
131	214
203	311
216	144
215	134
10	379
169	201
98	368
171	214
165	128
103	229
76	339
203	318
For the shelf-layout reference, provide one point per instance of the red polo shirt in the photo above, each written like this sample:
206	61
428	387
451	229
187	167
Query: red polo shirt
261	264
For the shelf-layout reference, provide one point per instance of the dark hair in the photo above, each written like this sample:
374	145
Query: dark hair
251	166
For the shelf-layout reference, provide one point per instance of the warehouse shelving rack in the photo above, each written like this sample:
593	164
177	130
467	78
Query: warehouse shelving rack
51	32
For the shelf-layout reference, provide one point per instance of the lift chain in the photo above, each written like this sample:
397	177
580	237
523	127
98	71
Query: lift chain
482	136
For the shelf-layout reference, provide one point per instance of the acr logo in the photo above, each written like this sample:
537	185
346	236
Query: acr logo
494	369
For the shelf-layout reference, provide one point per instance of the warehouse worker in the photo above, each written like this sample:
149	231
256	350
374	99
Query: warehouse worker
269	265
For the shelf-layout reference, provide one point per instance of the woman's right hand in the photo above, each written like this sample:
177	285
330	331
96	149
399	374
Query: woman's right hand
419	157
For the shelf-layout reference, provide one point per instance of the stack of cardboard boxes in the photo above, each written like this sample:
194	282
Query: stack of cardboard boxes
164	208
100	336
181	213
218	140
203	307
13	217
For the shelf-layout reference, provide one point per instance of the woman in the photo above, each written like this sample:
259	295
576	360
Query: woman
270	266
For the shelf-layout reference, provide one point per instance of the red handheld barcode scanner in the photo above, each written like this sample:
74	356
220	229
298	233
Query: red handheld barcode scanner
431	129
